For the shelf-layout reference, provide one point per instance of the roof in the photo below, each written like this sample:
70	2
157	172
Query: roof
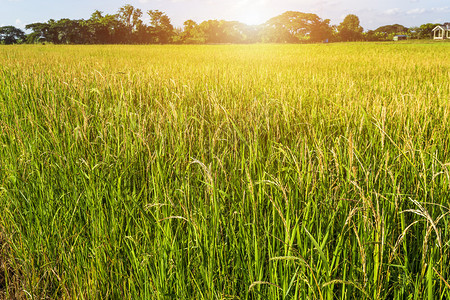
444	27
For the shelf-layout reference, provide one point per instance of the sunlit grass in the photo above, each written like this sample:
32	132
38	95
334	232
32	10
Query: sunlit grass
225	172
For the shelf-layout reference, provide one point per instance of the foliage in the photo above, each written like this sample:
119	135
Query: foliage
426	30
191	33
373	35
294	27
214	32
392	29
127	27
387	32
161	26
103	29
11	35
350	29
130	19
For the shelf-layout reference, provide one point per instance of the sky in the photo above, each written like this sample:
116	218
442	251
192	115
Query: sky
372	13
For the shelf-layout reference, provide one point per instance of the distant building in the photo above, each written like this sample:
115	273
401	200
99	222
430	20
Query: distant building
400	37
442	32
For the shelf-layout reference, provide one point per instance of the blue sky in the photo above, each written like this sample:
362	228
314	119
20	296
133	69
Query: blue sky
372	14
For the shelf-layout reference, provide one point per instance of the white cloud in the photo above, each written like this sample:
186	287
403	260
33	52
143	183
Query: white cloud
392	11
416	11
445	9
18	22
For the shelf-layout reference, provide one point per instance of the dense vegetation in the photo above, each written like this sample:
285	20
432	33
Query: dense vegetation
127	27
225	172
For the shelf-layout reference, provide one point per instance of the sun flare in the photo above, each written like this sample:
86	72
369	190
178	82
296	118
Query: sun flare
253	18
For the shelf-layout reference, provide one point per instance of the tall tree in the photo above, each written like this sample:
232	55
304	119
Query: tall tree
237	32
161	27
213	31
426	30
220	31
320	30
191	33
40	32
373	35
101	28
392	29
11	35
388	31
295	27
70	31
350	29
130	18
63	31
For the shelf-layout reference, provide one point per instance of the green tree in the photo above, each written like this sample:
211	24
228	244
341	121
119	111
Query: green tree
218	31
11	35
237	32
98	28
130	18
71	31
392	29
161	27
52	34
63	31
413	32
213	31
295	27
387	32
320	30
425	31
103	29
191	33
350	29
40	32
373	35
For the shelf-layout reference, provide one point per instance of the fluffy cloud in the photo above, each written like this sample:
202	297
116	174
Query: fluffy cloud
392	11
440	9
416	11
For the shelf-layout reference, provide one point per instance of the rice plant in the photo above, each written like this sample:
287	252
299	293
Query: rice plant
225	172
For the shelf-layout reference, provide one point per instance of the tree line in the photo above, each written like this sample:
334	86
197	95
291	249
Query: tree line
127	27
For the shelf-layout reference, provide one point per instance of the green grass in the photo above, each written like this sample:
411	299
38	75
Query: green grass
225	172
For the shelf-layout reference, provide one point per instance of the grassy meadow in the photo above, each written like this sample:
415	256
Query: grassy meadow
225	172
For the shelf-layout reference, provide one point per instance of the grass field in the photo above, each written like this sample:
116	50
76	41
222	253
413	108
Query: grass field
225	172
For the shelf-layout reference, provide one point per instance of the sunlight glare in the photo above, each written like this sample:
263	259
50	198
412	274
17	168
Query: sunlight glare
253	18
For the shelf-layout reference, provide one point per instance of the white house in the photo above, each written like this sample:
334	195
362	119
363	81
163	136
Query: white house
442	32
